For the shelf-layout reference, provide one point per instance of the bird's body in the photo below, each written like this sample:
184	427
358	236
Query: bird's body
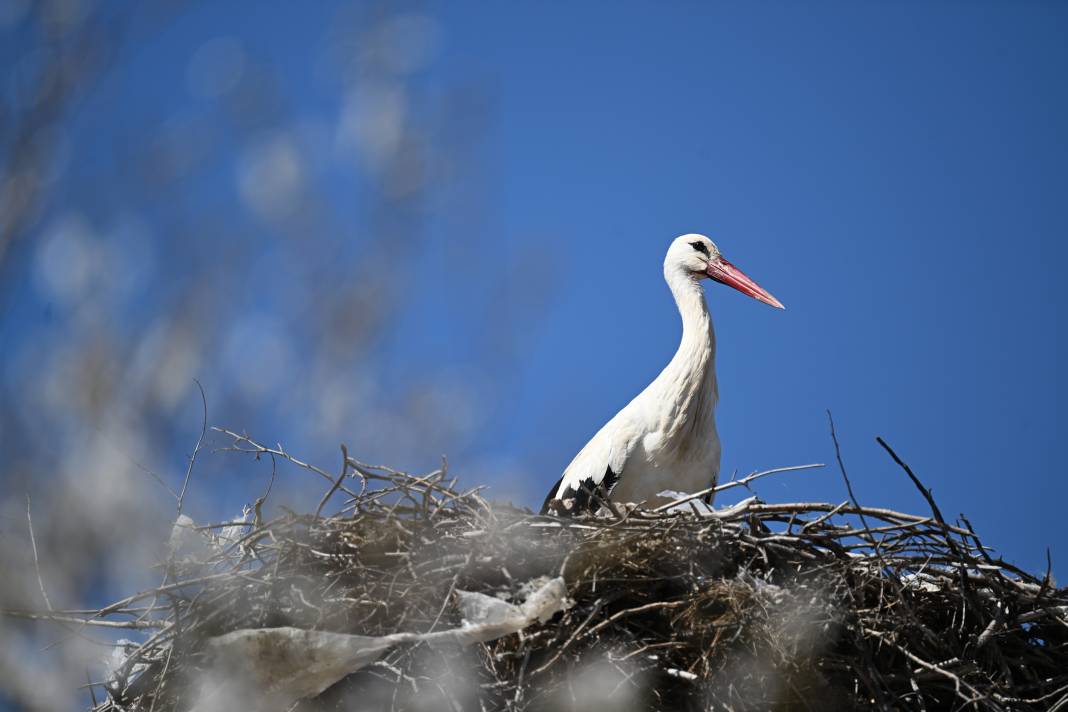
664	439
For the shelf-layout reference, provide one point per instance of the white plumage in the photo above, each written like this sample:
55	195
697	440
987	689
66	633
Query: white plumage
664	439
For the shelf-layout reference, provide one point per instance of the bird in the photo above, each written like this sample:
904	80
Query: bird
665	438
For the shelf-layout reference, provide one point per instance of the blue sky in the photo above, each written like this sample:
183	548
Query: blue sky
895	173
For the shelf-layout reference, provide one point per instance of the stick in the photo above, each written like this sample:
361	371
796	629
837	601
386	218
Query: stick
926	495
340	479
848	484
733	483
36	563
200	440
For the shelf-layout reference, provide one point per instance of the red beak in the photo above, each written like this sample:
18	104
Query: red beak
724	272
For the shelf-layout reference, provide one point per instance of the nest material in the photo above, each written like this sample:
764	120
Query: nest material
765	606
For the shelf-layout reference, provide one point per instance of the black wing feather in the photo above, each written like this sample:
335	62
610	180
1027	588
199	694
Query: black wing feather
587	497
551	496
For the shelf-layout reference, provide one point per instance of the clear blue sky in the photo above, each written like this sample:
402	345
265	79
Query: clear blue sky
895	173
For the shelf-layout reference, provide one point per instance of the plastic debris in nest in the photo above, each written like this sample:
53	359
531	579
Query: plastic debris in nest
286	664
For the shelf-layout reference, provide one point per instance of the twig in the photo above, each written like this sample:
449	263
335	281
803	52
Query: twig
848	484
340	479
60	618
36	563
733	483
200	440
926	495
258	448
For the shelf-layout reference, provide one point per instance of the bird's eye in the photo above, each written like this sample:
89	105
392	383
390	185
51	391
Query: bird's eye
700	247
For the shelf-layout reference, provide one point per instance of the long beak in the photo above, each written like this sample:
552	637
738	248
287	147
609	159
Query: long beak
724	272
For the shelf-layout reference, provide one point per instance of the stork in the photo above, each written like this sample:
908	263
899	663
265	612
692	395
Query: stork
664	439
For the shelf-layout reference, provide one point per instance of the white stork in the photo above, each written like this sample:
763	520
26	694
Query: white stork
664	439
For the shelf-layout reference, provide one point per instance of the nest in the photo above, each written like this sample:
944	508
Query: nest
761	606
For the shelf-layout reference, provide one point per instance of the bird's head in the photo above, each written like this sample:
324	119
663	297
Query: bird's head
698	257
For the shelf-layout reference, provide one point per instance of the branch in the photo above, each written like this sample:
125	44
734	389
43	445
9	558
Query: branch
734	483
200	440
36	563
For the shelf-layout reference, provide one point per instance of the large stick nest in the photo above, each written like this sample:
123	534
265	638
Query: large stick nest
762	606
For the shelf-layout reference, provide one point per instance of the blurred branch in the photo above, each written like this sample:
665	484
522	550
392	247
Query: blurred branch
196	449
36	561
72	58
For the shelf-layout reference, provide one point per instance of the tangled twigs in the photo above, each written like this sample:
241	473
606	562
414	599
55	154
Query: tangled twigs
757	606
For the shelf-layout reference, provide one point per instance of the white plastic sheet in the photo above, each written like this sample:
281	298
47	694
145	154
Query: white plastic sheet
283	665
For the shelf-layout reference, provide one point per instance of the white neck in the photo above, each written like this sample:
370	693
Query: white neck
687	386
698	336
